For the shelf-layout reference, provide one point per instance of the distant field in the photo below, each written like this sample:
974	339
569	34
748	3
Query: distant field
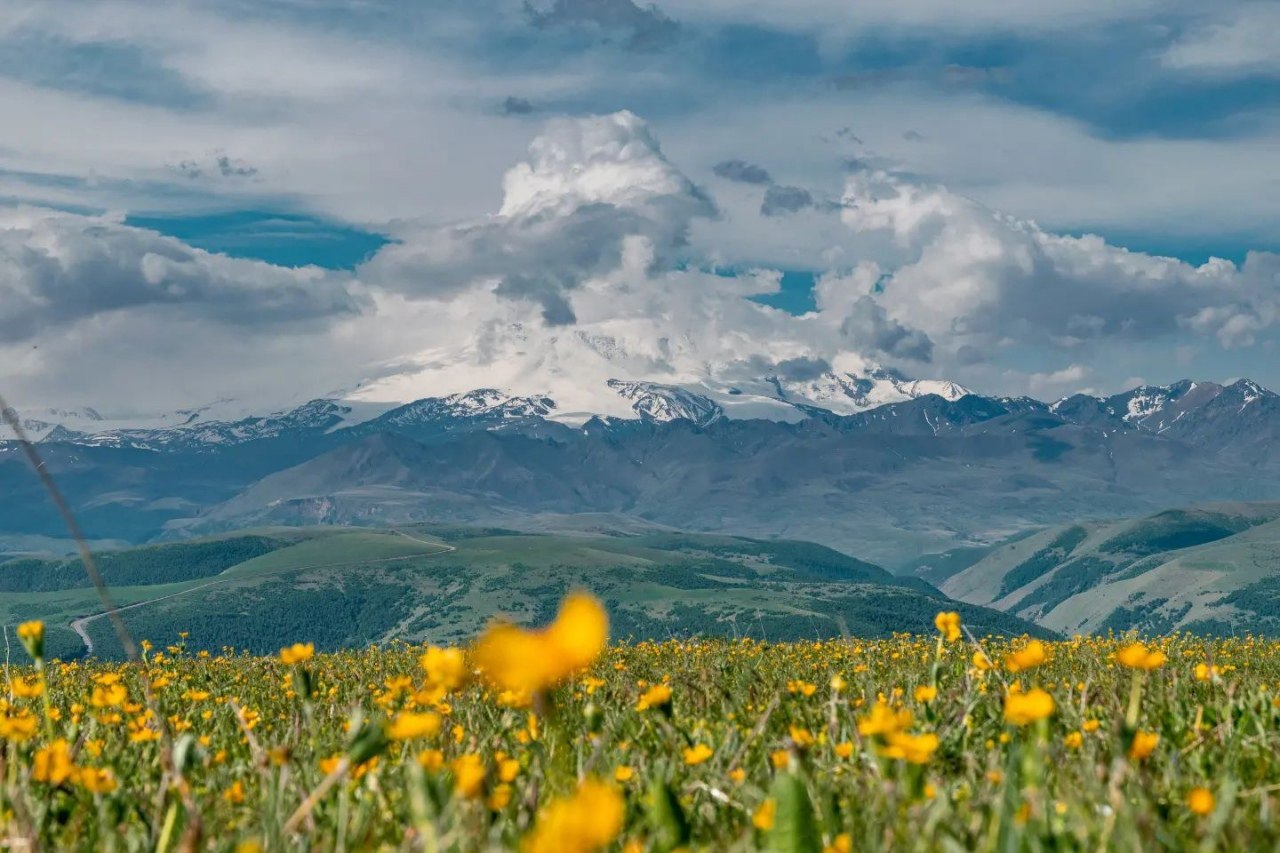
352	586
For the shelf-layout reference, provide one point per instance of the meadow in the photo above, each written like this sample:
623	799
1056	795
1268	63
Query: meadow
553	739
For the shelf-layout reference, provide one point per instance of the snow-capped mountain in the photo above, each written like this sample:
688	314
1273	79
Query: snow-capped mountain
656	403
849	393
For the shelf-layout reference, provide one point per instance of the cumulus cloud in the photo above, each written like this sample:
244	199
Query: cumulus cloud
587	188
57	268
970	275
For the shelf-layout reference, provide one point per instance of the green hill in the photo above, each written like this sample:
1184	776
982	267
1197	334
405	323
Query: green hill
344	586
1213	568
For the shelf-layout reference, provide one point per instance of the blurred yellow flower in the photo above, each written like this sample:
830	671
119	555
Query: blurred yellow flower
53	763
1138	656
948	625
624	774
1200	801
529	662
697	754
916	749
1073	740
1030	655
926	693
1144	743
297	653
765	814
1024	708
407	725
656	696
585	822
468	775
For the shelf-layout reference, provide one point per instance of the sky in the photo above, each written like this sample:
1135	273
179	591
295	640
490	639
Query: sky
274	200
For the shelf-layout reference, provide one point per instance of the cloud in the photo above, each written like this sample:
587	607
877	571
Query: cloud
1243	41
780	200
588	188
513	106
970	275
647	27
742	172
58	268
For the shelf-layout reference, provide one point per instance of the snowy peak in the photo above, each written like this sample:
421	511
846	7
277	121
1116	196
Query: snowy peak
655	403
485	403
850	393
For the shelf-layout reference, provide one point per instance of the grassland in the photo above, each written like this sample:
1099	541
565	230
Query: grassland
440	583
551	740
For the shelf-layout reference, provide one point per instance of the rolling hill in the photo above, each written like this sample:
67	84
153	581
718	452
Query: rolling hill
342	587
1211	569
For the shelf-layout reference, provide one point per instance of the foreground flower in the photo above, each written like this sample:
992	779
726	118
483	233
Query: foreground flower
528	662
765	814
1032	654
657	696
1022	709
883	720
1144	743
1138	656
297	653
409	725
948	625
53	763
1200	801
915	749
32	636
697	754
587	821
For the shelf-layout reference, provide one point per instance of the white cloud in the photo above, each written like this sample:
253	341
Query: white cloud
57	268
1245	40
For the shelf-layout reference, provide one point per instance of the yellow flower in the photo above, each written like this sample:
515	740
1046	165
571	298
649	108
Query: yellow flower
1024	708
624	774
431	759
948	625
1073	740
1206	672
697	754
844	750
96	780
235	793
779	758
527	662
500	798
1091	726
408	725
445	668
53	763
1032	654
1138	656
883	720
657	696
18	728
1144	743
916	749
32	636
925	693
981	662
27	688
842	843
508	769
762	818
468	775
297	653
1200	801
737	775
800	737
585	822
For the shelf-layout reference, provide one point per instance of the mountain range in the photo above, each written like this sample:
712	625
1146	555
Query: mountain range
875	464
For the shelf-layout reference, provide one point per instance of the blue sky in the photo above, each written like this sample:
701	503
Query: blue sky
318	133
